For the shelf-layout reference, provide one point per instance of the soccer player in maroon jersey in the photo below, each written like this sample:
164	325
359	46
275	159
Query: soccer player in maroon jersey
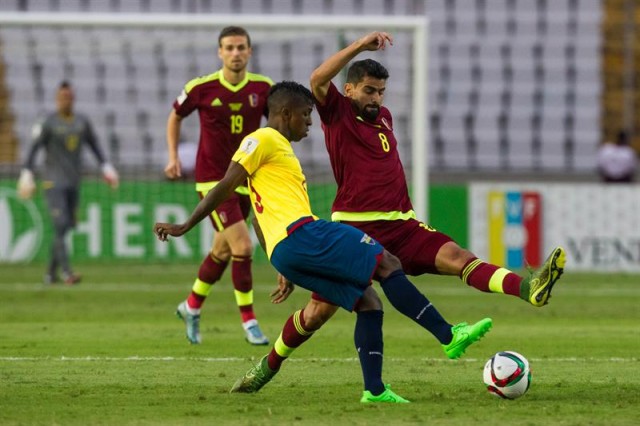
373	196
372	190
230	103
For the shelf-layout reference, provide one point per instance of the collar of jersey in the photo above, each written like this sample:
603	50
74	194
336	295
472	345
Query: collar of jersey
231	87
378	126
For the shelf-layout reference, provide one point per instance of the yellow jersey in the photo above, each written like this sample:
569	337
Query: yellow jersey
277	186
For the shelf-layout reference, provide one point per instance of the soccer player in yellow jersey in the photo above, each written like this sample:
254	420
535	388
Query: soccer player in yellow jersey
333	260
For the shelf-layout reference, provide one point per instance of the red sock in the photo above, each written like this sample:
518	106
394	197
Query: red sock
243	282
292	337
210	271
490	278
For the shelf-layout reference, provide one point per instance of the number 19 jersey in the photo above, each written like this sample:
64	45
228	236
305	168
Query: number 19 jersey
227	114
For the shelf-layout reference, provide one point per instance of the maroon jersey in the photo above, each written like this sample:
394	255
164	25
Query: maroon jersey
364	157
227	114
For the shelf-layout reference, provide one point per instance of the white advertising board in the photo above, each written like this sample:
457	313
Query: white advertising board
597	224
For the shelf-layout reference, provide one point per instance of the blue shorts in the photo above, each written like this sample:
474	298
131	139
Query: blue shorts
334	260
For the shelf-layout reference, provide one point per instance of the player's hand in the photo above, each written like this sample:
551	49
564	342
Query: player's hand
376	40
26	184
285	288
164	230
173	169
110	175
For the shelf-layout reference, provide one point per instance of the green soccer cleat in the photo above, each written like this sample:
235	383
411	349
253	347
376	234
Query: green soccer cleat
191	321
464	335
542	279
387	396
254	379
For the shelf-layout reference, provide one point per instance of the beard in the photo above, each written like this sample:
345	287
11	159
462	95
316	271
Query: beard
370	112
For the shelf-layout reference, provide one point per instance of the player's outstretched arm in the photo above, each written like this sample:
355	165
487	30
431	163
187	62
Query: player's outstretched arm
322	76
234	177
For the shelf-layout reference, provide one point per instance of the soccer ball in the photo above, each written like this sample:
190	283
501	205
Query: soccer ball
507	375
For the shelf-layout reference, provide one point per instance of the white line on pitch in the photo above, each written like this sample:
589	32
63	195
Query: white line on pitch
239	359
268	287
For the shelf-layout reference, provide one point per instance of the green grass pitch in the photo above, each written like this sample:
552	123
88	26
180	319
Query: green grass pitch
111	351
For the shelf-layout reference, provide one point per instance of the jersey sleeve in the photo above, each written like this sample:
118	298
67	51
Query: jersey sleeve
187	101
251	154
39	132
92	141
331	109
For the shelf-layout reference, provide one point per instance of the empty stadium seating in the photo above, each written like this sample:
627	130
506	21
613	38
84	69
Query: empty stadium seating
513	84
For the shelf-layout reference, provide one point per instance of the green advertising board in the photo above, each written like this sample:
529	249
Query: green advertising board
117	224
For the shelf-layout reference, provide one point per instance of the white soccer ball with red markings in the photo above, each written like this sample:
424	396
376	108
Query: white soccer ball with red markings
507	375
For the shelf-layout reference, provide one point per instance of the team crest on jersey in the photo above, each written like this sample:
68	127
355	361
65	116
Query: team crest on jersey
253	100
223	217
368	240
386	123
248	145
182	97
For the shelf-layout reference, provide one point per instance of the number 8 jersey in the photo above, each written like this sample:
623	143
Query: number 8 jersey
365	162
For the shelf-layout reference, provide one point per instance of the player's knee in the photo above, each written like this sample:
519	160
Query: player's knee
451	258
370	301
317	313
62	225
242	249
387	265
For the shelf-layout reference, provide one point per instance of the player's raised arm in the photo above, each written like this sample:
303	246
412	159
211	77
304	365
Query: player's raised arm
322	76
235	176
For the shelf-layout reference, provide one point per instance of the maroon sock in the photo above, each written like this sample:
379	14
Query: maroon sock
478	274
210	271
294	333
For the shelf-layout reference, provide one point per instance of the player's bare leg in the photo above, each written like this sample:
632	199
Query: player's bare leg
236	237
211	269
298	328
454	260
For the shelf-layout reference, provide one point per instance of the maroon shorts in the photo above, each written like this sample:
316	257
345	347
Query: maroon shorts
413	242
234	209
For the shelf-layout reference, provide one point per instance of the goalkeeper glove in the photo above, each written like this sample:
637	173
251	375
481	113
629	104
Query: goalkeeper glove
26	184
110	175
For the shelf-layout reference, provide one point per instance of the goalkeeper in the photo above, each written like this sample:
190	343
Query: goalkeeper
63	134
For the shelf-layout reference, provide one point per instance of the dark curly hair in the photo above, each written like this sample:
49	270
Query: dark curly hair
359	69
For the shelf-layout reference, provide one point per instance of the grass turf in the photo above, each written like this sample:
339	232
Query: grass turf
110	351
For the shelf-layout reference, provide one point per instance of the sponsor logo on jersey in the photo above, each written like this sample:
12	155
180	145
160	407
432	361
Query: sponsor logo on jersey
235	106
515	236
216	102
182	97
368	240
253	100
223	217
20	226
249	145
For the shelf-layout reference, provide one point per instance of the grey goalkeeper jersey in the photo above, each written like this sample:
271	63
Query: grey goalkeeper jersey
63	140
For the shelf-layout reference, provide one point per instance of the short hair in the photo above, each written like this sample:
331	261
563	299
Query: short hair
64	84
287	93
359	69
233	31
